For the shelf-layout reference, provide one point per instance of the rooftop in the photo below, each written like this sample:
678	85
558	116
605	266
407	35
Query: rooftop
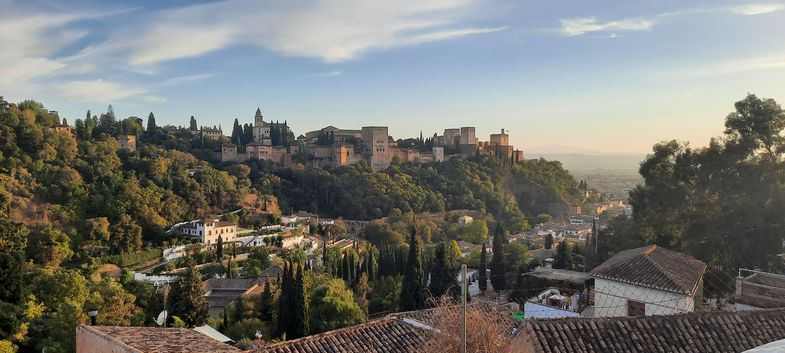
158	340
717	332
655	267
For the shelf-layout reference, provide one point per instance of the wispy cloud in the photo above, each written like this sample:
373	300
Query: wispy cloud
581	26
756	9
327	74
585	25
183	80
333	31
97	91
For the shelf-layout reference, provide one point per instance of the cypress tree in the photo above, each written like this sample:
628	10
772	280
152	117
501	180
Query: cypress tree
411	289
225	322
498	267
483	277
371	266
345	266
325	260
300	320
265	307
192	124
284	302
151	126
219	249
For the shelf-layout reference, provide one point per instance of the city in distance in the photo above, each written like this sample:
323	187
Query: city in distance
392	176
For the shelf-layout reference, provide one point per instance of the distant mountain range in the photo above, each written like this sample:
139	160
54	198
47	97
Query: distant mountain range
581	161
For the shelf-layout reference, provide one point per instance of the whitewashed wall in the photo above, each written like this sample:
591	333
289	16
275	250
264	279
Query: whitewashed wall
611	299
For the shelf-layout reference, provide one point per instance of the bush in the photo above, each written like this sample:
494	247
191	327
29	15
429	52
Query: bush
134	258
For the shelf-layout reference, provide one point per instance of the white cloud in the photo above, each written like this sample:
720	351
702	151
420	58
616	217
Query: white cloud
98	91
756	9
581	26
182	80
333	31
328	74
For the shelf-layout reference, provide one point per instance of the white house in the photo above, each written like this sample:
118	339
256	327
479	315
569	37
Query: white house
649	280
208	230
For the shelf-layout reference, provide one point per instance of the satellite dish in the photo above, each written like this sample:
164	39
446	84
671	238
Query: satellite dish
161	320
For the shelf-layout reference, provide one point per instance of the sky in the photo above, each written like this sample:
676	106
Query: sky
579	75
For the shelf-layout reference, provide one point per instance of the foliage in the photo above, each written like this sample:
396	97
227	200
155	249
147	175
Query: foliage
444	270
186	299
483	276
332	306
475	232
498	262
413	278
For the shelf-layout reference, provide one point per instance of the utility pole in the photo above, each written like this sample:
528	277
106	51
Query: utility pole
464	290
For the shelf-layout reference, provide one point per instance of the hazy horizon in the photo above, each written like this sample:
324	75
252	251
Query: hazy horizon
593	75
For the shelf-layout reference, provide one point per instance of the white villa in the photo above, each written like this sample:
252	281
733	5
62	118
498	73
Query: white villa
208	230
649	280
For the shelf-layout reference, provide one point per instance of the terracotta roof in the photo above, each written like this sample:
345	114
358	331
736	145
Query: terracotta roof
159	340
716	332
655	267
383	335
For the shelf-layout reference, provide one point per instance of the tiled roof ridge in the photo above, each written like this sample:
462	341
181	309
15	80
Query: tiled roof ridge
334	332
704	314
647	255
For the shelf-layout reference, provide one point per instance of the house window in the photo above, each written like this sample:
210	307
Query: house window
636	308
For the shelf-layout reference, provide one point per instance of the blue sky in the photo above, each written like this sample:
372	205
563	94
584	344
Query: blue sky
609	76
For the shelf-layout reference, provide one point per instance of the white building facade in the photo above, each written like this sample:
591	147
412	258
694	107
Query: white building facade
613	298
208	231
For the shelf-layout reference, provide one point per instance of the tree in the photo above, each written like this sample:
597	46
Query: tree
361	293
187	298
219	249
49	246
475	232
152	128
498	265
13	242
411	290
444	271
300	312
561	261
266	303
192	125
548	241
332	306
126	235
483	276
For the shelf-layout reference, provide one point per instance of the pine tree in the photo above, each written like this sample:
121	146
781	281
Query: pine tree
187	299
483	277
498	266
412	286
300	309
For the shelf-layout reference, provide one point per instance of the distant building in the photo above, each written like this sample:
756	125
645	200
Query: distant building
62	128
649	280
208	230
465	220
213	134
219	292
757	290
127	142
376	140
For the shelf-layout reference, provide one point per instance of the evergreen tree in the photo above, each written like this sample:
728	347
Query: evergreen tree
89	125
237	133
498	266
483	277
152	128
108	122
219	249
266	305
345	267
300	309
192	125
247	134
225	322
325	259
187	298
412	286
371	265
548	241
561	261
285	301
239	309
229	269
444	269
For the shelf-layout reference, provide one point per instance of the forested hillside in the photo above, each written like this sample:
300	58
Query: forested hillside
73	201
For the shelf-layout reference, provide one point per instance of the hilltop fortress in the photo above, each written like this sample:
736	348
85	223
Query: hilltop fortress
334	147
